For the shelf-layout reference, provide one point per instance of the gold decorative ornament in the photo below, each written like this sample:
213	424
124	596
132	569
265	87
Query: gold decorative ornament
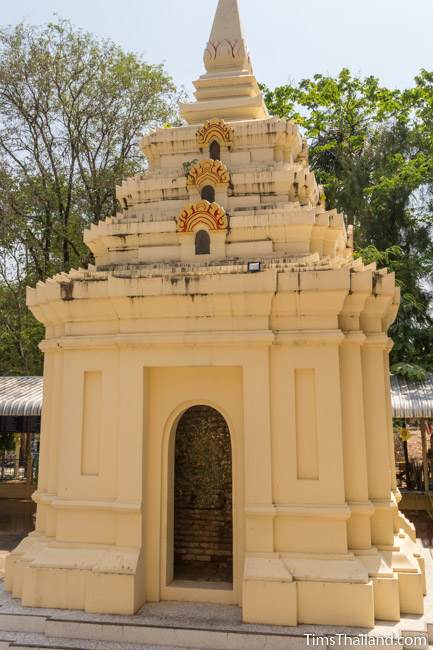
203	213
207	172
215	129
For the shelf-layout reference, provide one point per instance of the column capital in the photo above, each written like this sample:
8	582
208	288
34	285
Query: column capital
379	340
355	337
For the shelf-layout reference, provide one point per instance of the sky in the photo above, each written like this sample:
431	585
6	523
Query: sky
288	39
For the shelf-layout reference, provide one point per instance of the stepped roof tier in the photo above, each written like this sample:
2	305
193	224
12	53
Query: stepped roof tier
234	173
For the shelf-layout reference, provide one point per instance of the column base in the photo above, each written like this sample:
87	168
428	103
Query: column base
398	578
269	593
346	590
385	585
293	590
278	589
96	579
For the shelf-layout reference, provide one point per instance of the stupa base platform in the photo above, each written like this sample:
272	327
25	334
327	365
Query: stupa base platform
278	589
397	578
184	625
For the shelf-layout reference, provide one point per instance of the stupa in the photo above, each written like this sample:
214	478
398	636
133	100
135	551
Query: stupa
217	423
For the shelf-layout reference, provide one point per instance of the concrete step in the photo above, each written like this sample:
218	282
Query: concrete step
179	637
40	631
145	635
41	642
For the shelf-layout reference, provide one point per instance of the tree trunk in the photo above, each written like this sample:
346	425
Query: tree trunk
29	468
17	457
426	482
407	465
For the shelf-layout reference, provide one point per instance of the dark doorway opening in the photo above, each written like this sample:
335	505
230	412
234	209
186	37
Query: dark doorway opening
203	521
208	193
202	243
215	150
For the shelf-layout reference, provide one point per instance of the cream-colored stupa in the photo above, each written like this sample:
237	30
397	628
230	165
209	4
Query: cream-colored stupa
217	422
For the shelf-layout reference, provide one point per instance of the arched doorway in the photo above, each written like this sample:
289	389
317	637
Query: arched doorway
208	193
202	243
215	150
203	520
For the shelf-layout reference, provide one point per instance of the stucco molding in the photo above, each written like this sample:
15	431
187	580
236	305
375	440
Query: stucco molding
215	129
203	339
208	172
80	504
309	337
202	214
227	54
376	340
261	511
354	338
361	508
384	504
334	512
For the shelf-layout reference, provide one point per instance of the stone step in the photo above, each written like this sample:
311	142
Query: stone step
39	631
144	635
41	642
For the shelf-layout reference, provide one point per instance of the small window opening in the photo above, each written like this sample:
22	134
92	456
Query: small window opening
208	193
215	150
202	243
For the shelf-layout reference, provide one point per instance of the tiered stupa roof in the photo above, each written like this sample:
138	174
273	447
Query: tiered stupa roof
232	171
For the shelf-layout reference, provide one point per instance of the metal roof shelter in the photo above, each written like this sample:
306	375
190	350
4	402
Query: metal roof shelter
21	398
412	399
20	404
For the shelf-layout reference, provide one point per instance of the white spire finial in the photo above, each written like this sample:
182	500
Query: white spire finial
227	47
229	89
227	22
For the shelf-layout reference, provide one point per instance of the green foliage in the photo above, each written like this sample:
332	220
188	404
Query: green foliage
371	255
187	166
372	149
409	370
72	109
7	442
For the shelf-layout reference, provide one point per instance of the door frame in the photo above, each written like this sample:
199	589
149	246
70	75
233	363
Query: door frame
200	593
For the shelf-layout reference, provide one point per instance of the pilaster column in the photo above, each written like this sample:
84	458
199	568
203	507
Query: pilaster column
377	442
259	508
48	449
390	427
44	440
354	442
130	443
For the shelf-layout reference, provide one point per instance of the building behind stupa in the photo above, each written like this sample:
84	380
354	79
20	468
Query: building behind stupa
217	423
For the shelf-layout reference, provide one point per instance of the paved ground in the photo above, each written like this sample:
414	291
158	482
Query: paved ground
424	526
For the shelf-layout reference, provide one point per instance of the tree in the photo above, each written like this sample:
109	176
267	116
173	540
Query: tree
72	108
372	149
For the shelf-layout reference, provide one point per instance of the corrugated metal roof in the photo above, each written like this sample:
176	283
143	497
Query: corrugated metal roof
412	399
20	396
